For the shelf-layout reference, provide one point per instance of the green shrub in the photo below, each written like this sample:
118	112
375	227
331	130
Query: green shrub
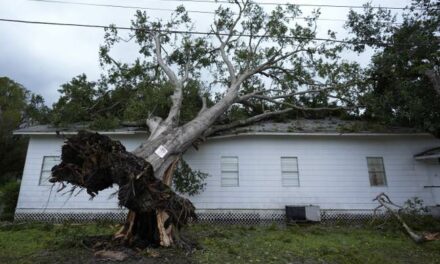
8	199
187	180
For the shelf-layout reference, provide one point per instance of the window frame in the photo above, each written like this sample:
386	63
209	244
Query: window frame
40	180
229	171
283	184
383	171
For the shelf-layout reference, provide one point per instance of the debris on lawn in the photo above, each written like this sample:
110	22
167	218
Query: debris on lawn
111	255
386	202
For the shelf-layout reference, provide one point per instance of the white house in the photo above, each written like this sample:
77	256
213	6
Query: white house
262	168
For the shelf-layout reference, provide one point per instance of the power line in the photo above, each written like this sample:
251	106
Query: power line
116	6
190	32
157	9
275	4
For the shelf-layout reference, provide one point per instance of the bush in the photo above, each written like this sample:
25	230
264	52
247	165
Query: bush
8	200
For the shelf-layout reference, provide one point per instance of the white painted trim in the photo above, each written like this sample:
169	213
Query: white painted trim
332	134
75	132
237	135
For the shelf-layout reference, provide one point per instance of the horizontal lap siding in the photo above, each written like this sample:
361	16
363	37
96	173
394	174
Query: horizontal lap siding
333	173
34	196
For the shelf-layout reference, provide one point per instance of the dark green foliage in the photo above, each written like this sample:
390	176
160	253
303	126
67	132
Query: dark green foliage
18	108
399	91
8	199
187	180
102	107
82	101
414	206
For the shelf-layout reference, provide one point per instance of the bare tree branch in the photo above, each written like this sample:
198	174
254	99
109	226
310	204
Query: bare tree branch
299	107
153	124
385	201
225	42
170	74
204	106
271	62
253	94
244	122
177	97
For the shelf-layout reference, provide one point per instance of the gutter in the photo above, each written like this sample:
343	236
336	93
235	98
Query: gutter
320	134
75	132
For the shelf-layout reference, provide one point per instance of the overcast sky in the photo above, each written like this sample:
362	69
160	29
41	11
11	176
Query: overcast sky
42	57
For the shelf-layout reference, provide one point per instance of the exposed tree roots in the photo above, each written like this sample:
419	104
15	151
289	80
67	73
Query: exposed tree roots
386	202
95	162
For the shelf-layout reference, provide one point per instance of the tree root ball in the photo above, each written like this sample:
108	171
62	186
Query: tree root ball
95	162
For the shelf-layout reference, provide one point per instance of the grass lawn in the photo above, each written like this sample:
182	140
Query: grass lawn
46	243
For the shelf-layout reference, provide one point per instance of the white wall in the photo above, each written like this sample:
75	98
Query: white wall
333	173
34	197
332	170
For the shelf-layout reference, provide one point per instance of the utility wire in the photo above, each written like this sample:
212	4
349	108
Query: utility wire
275	4
117	6
194	32
156	9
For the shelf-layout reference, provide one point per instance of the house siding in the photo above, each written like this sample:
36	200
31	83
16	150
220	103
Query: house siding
38	198
333	173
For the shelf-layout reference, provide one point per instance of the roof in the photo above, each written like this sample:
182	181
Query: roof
433	153
330	126
73	129
327	127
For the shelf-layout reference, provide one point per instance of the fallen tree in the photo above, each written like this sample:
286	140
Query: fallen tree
255	60
95	162
385	201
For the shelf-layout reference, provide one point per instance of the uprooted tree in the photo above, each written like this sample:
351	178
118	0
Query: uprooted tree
267	63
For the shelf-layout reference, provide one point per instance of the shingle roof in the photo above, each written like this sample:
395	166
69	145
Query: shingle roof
331	126
319	126
72	129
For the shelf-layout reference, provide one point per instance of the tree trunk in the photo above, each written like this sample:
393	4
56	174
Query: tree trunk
156	213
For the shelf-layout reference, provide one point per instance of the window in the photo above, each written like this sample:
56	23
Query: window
289	171
48	163
229	169
376	171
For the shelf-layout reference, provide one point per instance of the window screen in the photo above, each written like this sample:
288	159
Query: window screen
289	171
376	171
229	170
48	163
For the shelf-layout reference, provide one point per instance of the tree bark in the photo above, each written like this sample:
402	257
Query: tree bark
386	202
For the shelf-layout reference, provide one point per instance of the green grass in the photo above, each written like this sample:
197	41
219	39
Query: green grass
30	243
311	244
20	243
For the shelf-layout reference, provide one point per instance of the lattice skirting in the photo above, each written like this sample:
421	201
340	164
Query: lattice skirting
206	216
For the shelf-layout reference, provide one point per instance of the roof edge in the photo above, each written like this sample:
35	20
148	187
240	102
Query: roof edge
370	134
75	132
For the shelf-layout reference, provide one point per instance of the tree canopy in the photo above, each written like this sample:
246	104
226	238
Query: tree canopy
18	108
403	79
276	57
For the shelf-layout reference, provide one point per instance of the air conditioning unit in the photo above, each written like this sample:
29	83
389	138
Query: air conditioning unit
303	213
